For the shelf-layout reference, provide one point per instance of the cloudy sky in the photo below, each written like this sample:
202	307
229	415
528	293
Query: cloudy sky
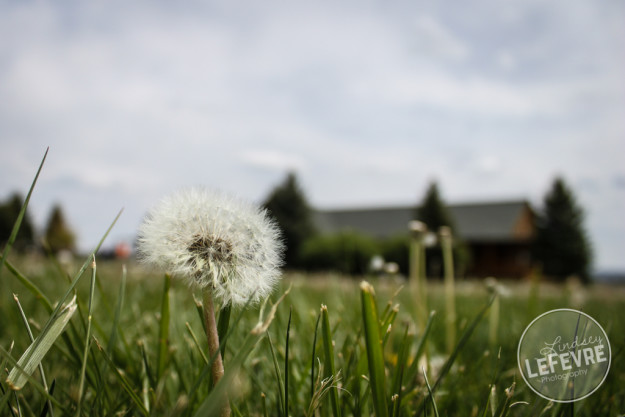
367	101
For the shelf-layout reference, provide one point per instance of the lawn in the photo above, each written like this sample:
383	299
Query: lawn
147	351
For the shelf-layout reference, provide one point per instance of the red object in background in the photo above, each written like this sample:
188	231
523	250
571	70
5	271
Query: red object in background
122	250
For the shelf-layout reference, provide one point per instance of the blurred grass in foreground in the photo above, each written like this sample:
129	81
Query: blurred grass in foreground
129	370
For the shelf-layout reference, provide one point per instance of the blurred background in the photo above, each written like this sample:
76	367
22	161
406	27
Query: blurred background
367	104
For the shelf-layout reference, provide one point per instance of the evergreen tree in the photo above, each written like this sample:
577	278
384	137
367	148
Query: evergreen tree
433	211
562	245
58	234
9	211
288	205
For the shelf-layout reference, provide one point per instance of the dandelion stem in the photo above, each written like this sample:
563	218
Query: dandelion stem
217	367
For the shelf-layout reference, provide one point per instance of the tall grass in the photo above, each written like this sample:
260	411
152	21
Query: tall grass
122	371
326	346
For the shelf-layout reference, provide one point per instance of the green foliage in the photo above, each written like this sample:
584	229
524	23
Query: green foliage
562	245
396	249
59	236
433	212
287	204
346	252
9	212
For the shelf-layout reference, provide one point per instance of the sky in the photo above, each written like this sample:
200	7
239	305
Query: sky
367	101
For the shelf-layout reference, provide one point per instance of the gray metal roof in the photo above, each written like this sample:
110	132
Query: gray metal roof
489	221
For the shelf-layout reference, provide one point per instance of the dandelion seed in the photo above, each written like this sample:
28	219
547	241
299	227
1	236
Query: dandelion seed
214	242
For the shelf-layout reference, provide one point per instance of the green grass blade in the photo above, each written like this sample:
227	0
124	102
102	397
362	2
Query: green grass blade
33	382
463	341
118	310
402	359
503	409
30	286
414	367
375	358
222	328
197	343
430	394
4	400
145	387
286	365
5	395
20	216
123	381
313	360
83	369
493	400
329	370
395	405
163	333
276	369
32	340
33	356
387	325
263	399
199	308
322	387
47	408
146	364
389	319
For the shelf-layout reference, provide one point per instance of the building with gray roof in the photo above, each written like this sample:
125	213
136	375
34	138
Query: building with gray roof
498	234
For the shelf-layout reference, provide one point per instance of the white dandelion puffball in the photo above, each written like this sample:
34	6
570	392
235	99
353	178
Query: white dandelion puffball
214	241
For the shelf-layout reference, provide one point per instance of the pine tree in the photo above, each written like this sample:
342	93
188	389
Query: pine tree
8	215
433	211
562	245
288	205
58	234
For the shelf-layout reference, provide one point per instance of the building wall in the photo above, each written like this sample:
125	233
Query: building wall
501	260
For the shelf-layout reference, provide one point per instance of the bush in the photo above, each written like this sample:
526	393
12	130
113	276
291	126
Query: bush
396	249
345	252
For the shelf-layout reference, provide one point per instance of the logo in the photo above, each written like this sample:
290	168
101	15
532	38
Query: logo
564	355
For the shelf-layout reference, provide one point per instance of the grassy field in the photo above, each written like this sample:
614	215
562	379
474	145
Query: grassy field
147	349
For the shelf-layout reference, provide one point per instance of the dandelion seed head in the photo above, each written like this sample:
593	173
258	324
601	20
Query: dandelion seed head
214	241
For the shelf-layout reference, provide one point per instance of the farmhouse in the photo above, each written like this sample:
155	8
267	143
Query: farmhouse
497	234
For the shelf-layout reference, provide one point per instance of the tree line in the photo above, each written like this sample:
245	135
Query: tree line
57	235
561	247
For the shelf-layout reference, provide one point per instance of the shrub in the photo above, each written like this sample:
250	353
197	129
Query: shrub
396	249
346	252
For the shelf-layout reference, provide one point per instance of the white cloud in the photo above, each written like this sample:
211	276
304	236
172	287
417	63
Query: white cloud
436	40
506	60
366	103
273	160
488	164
